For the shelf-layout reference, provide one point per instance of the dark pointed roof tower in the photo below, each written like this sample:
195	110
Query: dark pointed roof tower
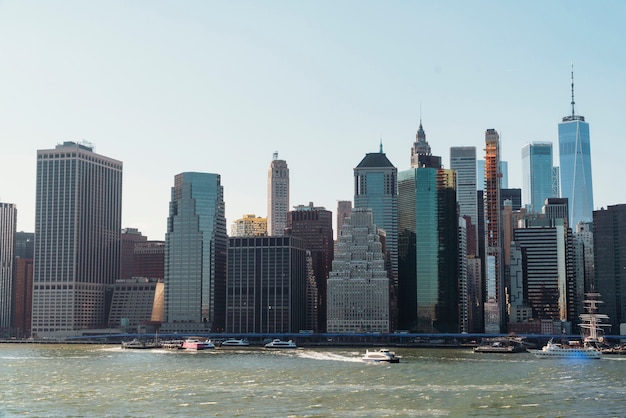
421	155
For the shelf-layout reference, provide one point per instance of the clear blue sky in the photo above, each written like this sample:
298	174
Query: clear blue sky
218	86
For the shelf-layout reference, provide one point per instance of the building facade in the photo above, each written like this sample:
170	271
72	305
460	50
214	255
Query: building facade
195	255
23	283
548	273
8	224
277	196
136	304
609	242
344	209
494	276
358	286
376	187
314	225
130	236
537	175
77	248
463	161
249	226
429	281
267	285
575	165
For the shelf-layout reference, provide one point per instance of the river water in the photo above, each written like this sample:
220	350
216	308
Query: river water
103	380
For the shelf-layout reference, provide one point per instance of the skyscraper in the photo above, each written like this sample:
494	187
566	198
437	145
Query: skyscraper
277	196
195	255
358	286
480	174
267	279
537	175
77	247
463	161
548	273
609	244
575	163
8	219
376	187
23	283
428	244
314	225
495	303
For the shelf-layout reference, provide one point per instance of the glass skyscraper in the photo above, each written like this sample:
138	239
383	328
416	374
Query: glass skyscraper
78	218
376	187
428	243
538	175
195	255
575	163
463	161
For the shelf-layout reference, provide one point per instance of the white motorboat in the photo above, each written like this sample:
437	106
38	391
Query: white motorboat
196	344
281	344
232	342
381	356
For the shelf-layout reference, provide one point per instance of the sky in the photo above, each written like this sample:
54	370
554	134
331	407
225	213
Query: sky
219	86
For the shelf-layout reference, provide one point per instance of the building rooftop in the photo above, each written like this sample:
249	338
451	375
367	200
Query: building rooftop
375	159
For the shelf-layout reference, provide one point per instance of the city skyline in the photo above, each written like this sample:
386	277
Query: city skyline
214	87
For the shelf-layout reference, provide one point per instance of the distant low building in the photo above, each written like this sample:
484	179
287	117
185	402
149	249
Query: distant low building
135	302
249	226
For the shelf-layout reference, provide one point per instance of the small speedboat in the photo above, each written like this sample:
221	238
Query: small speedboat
232	342
281	344
196	344
381	356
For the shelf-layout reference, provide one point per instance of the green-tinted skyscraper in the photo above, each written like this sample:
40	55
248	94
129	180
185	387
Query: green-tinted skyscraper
428	244
195	255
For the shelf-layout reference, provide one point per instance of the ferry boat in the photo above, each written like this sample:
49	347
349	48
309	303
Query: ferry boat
592	331
281	344
381	356
232	342
571	350
196	344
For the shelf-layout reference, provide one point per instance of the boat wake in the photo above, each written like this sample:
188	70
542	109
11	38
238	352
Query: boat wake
315	355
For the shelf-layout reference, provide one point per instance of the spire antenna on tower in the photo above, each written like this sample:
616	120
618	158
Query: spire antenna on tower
573	113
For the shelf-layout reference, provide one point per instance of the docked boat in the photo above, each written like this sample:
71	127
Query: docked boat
140	345
232	342
196	344
500	345
172	344
281	344
592	336
381	356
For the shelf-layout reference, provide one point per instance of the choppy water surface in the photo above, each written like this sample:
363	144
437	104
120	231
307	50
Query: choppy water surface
77	380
